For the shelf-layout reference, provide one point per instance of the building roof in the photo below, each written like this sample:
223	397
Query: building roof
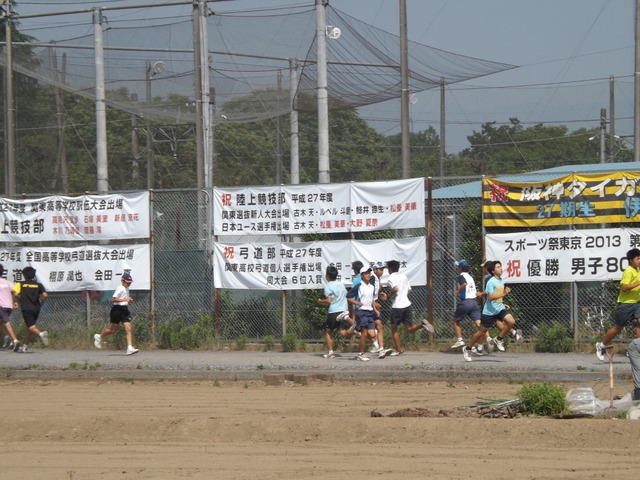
474	189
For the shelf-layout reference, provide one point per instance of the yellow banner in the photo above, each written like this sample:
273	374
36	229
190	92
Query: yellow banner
570	200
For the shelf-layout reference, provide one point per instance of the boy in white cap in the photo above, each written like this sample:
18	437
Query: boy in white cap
119	314
376	280
401	312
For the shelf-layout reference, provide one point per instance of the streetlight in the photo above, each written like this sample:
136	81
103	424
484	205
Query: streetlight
151	71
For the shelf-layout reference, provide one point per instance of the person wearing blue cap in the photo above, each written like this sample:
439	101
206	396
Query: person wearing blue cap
119	314
467	305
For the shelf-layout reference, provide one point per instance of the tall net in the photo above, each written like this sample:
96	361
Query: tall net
251	55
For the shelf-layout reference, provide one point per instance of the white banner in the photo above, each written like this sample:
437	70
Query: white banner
319	208
564	255
297	266
82	218
387	205
92	267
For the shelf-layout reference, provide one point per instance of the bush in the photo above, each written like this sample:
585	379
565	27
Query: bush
289	342
542	399
554	339
241	342
175	334
268	341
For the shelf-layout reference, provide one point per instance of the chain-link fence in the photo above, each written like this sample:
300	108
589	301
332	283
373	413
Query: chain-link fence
183	283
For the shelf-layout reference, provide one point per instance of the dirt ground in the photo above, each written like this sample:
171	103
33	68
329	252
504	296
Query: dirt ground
125	429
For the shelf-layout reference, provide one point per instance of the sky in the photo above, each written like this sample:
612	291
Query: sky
565	51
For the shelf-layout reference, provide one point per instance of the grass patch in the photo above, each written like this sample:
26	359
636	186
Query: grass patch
289	342
554	339
542	399
267	343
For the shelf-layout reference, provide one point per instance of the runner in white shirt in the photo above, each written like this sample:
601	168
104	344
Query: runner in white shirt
401	313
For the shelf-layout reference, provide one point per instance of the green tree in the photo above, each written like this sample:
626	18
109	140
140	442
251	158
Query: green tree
511	148
425	153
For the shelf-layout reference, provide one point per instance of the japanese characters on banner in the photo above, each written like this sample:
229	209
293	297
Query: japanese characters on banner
570	200
82	218
91	267
563	256
319	208
296	266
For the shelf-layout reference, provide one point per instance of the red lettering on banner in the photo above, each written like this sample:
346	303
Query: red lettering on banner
513	269
499	192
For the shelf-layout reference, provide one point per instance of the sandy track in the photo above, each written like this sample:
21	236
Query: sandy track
117	429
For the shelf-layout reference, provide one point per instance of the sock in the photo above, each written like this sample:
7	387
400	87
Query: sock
479	347
375	344
459	339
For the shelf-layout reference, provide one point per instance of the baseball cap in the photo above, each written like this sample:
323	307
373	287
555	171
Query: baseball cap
368	270
378	265
127	278
461	263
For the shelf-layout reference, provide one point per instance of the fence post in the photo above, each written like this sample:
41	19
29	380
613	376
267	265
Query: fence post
87	301
283	297
152	280
574	309
430	247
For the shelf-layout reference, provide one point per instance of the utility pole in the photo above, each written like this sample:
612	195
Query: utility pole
612	120
197	58
443	153
149	132
60	170
404	97
10	167
603	133
636	77
135	167
324	168
102	171
293	122
278	131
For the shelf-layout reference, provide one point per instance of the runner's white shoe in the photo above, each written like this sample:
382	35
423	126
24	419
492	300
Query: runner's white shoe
427	326
131	350
360	357
97	341
385	352
519	337
490	345
466	354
